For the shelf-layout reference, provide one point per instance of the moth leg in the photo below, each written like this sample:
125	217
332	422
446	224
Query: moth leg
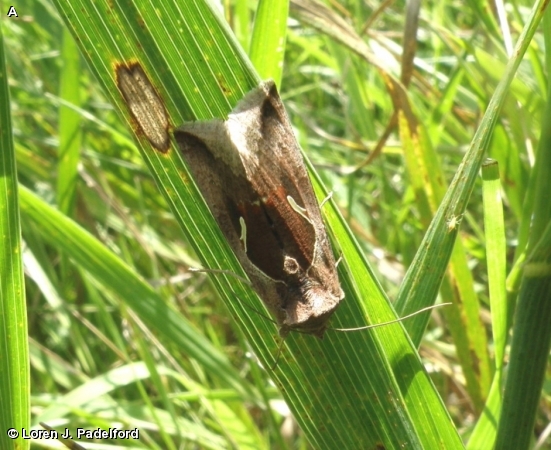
326	199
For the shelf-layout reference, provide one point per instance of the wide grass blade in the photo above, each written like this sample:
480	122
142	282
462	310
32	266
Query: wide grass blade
14	357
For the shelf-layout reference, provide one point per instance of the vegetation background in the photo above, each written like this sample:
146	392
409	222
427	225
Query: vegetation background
392	103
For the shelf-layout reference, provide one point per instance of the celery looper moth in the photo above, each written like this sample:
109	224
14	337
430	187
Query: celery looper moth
251	173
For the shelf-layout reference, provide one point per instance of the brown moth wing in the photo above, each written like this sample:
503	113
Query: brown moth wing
249	169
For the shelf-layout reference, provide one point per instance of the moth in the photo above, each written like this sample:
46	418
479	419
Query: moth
250	171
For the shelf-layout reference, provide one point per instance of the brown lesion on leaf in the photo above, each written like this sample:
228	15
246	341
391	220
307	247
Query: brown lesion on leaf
144	103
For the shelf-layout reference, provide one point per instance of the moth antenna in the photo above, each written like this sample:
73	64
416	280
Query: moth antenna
222	272
66	442
326	199
391	321
338	261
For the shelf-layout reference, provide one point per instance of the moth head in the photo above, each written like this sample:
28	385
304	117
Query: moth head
308	308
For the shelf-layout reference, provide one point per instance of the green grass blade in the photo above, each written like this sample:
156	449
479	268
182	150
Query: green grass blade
496	249
268	40
70	134
14	357
486	428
